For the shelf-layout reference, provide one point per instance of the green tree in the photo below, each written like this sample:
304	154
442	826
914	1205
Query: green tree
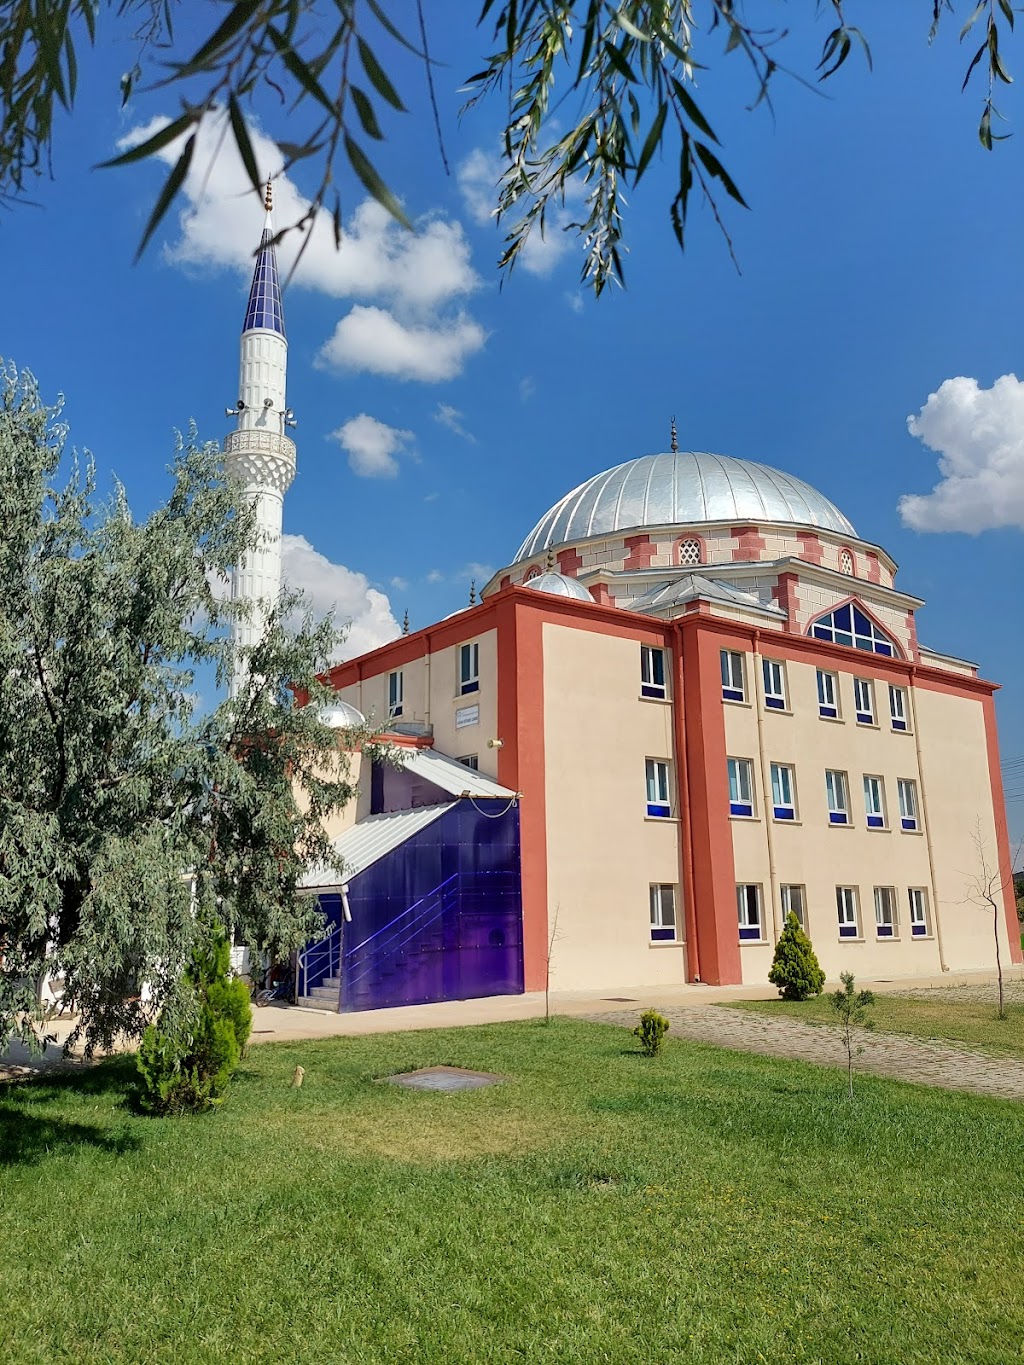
131	825
851	1007
625	67
795	968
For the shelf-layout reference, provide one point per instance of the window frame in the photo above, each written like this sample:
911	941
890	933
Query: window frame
899	715
838	813
662	932
728	661
658	771
869	638
885	899
740	806
469	679
875	813
786	890
649	685
910	812
865	714
848	903
396	694
750	932
470	761
828	710
775	698
919	927
783	809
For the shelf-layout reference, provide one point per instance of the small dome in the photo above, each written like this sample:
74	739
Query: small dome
559	585
340	715
683	488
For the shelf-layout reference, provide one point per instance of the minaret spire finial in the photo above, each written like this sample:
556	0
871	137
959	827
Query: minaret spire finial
268	198
405	622
674	439
472	592
549	563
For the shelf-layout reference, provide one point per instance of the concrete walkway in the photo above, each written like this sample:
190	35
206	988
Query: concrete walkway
885	1054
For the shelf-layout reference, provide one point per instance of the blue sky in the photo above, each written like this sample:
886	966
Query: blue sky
879	259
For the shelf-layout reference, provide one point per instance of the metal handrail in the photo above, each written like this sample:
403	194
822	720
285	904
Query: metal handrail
426	917
408	911
331	945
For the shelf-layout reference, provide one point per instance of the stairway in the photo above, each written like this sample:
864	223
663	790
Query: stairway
323	997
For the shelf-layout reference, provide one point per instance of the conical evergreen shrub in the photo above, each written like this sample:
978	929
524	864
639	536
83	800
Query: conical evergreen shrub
795	967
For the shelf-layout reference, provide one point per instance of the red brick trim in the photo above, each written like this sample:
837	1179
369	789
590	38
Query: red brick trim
748	543
641	551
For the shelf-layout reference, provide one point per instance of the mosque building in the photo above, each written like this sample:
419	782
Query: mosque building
693	702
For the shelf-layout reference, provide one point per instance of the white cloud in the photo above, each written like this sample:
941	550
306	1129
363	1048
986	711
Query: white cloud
451	418
375	340
417	275
575	302
979	437
477	178
527	388
332	587
435	576
371	446
399	584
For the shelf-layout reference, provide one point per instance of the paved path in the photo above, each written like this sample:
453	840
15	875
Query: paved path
885	1054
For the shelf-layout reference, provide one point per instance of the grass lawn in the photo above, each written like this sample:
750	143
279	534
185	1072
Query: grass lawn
971	1023
598	1207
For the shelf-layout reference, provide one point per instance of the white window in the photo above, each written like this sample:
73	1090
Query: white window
658	799
741	786
919	926
396	692
663	914
846	906
794	902
836	796
886	924
845	561
864	700
907	789
783	792
774	684
470	761
733	685
748	906
828	695
652	672
874	801
469	668
898	708
689	552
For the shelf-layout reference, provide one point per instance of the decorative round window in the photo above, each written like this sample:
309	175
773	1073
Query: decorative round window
845	562
689	552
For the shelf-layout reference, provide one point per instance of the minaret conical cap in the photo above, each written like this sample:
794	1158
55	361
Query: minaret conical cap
265	311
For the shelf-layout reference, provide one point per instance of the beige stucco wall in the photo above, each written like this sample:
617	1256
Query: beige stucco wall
952	790
602	851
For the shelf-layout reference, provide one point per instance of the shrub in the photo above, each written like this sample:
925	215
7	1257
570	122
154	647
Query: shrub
185	1066
651	1031
795	967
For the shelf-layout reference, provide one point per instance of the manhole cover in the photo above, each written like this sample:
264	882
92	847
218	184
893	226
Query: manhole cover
619	1000
443	1078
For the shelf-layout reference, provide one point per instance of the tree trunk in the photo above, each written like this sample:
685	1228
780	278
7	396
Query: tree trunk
999	960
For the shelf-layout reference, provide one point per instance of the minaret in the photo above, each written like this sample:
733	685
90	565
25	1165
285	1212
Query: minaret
257	452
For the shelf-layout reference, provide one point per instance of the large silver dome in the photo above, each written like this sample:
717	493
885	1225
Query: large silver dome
681	489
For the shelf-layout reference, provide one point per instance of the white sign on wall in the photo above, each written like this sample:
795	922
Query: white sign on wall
467	715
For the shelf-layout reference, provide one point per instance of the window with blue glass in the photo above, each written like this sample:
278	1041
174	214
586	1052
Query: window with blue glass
874	801
907	789
864	701
663	914
847	910
828	695
652	672
659	801
898	708
469	668
396	694
886	923
849	626
733	684
774	684
748	908
783	792
919	926
741	786
836	797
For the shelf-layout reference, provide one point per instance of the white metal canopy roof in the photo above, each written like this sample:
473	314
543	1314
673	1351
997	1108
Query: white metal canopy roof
362	845
451	775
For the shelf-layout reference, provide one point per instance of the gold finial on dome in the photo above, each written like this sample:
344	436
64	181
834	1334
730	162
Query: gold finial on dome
673	438
405	622
268	198
549	563
472	592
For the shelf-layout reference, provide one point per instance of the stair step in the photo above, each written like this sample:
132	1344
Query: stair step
309	1002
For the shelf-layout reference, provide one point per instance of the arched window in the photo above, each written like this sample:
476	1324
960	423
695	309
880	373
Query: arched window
848	625
845	561
690	551
532	572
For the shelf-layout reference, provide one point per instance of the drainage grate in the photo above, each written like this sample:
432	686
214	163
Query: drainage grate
443	1078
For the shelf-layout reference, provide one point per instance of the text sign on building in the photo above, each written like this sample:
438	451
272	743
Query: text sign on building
467	715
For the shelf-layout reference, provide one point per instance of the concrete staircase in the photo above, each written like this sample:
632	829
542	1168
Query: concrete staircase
322	997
